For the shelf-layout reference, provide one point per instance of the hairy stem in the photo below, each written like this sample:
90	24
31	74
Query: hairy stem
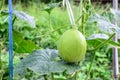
103	43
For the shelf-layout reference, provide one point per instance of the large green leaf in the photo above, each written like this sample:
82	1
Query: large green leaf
44	62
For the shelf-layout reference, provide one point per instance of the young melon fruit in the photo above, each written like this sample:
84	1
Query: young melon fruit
72	46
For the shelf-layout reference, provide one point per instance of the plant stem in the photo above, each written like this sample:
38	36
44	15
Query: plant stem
94	54
14	20
115	50
85	12
1	75
50	22
0	64
1	5
45	77
90	67
83	16
52	76
0	56
76	73
78	18
83	28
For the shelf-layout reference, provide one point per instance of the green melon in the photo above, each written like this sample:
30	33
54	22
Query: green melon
72	46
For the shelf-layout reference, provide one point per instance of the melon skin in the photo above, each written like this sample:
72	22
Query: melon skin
72	46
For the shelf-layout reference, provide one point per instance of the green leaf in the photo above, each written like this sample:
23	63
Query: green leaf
26	46
21	45
96	39
17	38
44	62
105	25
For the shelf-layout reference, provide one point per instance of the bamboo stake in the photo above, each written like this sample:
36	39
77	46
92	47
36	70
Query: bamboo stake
115	50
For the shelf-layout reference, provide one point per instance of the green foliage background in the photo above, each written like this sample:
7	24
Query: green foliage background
44	37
